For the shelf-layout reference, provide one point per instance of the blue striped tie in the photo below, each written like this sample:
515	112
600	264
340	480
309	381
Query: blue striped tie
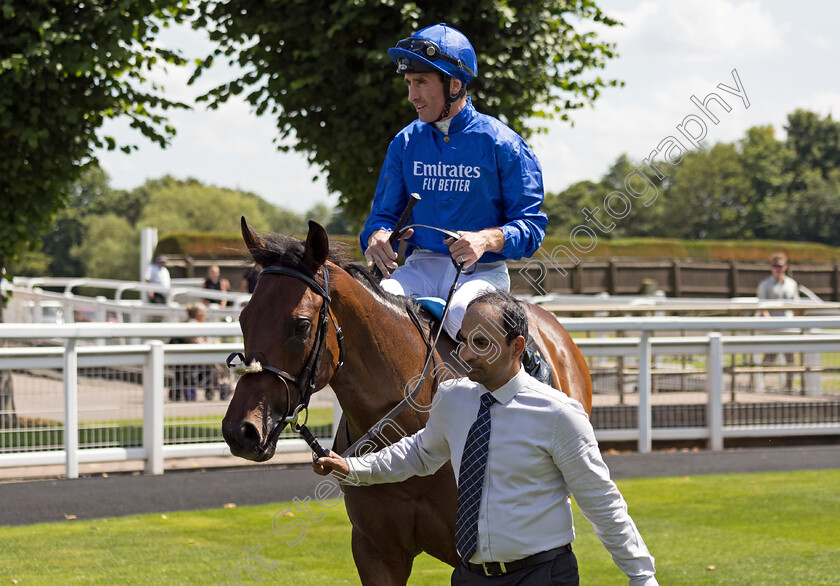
471	479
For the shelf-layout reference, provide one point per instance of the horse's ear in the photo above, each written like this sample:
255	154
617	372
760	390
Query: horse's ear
252	241
317	244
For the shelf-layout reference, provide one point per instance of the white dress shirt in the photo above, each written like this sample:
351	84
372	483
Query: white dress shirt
158	275
542	449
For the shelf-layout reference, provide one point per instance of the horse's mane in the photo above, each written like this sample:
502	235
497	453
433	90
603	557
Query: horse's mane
287	251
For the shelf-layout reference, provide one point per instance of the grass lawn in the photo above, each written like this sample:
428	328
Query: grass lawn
767	528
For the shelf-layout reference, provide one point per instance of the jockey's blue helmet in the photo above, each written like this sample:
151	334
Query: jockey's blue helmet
438	48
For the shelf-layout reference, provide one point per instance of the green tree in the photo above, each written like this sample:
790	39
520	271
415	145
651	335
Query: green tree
815	141
708	195
88	196
565	209
320	213
767	165
110	248
644	215
86	226
806	206
810	213
174	205
321	69
65	67
340	224
334	220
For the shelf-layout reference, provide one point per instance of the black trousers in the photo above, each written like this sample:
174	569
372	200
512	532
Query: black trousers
561	571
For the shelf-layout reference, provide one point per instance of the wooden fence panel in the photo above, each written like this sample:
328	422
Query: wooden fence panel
677	278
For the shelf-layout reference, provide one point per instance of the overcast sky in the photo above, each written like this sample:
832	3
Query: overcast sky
784	53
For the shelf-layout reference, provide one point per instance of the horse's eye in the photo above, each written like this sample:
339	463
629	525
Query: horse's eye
302	327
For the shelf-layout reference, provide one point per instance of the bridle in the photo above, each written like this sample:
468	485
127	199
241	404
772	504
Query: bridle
306	380
308	376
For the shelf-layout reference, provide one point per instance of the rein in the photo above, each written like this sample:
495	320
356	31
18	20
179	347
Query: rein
307	379
409	398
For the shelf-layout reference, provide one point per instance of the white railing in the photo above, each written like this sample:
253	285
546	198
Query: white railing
646	349
659	304
638	341
30	303
154	359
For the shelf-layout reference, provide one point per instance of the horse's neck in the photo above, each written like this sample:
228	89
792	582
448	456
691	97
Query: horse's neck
385	350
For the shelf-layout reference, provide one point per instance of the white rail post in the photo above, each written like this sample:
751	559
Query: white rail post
153	408
645	415
71	408
101	316
714	366
812	380
148	243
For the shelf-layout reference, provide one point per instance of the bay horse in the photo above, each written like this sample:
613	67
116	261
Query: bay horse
305	293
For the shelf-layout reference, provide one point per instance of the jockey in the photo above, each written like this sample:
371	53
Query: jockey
475	176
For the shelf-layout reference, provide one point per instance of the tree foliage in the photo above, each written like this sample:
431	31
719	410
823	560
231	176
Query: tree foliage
757	187
320	68
110	248
65	67
815	142
97	235
709	195
89	196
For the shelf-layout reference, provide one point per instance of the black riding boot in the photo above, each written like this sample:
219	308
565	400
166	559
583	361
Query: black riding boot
536	366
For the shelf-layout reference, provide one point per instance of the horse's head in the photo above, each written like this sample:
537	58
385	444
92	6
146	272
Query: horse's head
288	349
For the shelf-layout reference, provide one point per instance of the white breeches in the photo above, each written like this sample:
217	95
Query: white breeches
430	274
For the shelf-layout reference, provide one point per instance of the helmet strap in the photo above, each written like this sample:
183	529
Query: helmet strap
447	85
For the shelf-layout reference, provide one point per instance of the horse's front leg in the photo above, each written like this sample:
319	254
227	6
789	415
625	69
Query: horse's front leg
378	568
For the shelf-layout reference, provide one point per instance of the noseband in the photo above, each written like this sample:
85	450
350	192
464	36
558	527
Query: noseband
307	378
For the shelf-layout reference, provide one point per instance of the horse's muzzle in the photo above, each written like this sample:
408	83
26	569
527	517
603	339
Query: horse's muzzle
246	441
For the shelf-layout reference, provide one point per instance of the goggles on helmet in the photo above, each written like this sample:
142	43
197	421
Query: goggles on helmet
431	51
406	65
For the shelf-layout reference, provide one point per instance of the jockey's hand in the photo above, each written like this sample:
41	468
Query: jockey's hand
332	463
472	245
381	253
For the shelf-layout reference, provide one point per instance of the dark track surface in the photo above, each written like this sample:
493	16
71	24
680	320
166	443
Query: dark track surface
118	494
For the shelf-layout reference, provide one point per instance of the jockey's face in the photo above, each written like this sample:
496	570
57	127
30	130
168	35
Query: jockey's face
425	92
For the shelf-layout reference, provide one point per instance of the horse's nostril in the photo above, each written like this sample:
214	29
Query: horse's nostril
250	433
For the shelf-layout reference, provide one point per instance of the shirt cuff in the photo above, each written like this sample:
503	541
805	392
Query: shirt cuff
509	249
358	474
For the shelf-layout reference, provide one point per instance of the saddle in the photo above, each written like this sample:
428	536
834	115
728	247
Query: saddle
532	360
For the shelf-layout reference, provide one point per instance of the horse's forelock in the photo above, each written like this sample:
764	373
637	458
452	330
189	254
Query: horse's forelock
282	250
290	252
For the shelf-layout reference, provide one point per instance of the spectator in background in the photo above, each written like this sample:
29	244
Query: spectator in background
214	281
250	278
189	377
157	274
196	313
779	286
